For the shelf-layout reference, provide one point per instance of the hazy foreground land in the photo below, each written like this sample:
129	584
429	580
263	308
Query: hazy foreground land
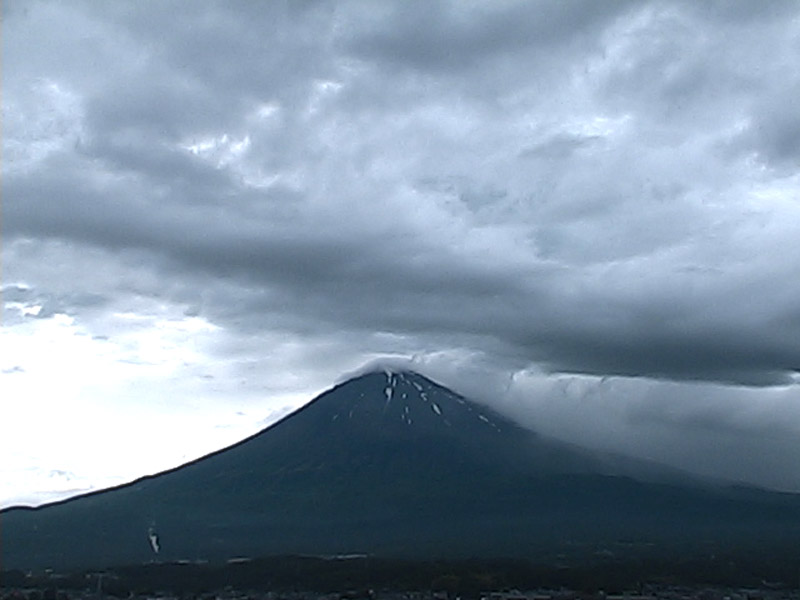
715	577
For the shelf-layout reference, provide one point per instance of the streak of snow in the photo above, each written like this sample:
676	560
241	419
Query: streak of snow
484	419
436	408
153	537
416	385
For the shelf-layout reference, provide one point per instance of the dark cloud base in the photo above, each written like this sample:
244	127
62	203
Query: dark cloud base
589	189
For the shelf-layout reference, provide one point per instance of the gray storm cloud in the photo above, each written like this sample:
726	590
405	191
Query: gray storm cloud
603	192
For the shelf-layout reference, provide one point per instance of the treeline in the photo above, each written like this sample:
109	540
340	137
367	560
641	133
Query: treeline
467	578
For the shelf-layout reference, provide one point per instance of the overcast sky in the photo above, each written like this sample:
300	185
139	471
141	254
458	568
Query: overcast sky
585	213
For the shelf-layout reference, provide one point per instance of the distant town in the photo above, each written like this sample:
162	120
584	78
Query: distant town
360	577
648	592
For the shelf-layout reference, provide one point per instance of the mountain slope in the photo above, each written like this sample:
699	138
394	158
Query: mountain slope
387	463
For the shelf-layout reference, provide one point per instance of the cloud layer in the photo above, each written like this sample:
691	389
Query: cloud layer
267	195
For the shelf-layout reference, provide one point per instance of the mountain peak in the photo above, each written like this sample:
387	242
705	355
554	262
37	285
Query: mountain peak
387	462
394	394
388	365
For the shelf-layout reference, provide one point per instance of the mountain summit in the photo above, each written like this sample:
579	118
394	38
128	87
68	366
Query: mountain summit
388	463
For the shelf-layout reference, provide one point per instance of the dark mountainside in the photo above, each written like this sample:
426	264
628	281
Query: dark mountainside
392	464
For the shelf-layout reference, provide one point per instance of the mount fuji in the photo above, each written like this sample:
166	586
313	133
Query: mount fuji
390	463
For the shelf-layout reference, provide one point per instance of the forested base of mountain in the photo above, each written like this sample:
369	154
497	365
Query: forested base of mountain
774	567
